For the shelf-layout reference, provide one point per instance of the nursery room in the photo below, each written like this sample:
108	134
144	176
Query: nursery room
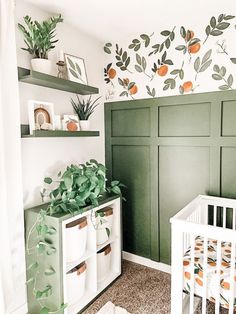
118	153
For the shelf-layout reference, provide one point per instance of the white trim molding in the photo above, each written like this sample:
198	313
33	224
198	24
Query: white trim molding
146	262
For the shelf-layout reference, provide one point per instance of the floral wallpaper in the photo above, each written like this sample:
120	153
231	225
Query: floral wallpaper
178	60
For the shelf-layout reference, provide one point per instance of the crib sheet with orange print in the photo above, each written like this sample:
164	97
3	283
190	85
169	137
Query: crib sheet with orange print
212	281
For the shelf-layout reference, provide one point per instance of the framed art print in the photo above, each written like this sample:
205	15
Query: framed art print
76	69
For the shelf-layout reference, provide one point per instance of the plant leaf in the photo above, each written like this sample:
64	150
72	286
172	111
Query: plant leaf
48	180
233	60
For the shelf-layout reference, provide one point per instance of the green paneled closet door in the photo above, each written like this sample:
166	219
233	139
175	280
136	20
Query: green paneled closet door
167	151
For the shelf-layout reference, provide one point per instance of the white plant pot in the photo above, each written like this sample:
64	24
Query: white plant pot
42	65
75	282
84	125
103	263
76	239
104	223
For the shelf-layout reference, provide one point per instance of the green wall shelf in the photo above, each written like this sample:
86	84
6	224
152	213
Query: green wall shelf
57	133
41	79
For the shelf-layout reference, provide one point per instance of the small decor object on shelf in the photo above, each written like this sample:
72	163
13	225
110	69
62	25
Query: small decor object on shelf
84	109
40	39
41	115
62	71
71	123
76	69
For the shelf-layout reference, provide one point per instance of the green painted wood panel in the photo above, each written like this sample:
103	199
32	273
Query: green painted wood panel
229	118
228	172
131	122
131	165
185	120
193	156
183	174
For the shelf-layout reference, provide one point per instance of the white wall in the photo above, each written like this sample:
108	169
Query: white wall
43	157
46	156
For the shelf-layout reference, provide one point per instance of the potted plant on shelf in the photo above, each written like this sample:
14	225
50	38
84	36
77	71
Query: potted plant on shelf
76	188
40	39
84	108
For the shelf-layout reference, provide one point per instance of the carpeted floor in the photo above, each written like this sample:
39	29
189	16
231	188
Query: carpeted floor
140	290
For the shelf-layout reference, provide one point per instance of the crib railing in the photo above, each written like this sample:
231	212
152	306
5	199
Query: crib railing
211	218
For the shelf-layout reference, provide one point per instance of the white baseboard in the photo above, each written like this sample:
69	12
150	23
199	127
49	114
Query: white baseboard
146	262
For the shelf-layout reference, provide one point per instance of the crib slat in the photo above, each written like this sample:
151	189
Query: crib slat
204	295
224	217
215	214
192	239
218	266
232	270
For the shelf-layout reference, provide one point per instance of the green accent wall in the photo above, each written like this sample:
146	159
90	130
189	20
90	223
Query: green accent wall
167	151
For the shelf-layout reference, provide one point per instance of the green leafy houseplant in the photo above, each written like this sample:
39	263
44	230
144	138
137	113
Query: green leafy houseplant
77	187
84	108
39	38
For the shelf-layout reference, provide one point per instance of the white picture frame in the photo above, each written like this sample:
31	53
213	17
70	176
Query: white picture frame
76	69
41	115
70	117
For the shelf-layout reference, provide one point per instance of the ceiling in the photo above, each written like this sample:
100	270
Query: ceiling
110	20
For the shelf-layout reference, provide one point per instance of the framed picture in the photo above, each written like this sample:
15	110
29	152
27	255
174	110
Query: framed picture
71	122
41	115
76	69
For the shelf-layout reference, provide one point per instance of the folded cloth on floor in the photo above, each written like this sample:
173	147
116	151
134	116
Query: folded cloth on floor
110	308
211	271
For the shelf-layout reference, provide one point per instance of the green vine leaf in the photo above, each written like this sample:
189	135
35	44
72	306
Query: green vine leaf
44	310
32	266
48	180
49	271
30	280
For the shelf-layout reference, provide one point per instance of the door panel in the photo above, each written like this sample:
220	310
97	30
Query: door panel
131	165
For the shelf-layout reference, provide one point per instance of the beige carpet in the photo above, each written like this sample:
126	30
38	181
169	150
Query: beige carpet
140	290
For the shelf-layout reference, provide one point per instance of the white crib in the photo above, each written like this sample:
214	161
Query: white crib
202	229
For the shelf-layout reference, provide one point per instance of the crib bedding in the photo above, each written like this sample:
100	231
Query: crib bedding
211	271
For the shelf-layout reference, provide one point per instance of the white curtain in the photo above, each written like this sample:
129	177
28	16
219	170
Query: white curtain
11	202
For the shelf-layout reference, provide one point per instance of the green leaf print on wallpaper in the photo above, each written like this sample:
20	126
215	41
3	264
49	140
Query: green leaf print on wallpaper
180	60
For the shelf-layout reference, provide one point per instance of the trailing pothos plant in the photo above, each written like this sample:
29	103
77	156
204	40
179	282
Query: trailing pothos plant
77	187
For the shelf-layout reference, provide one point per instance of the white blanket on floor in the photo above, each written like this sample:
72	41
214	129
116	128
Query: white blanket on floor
110	308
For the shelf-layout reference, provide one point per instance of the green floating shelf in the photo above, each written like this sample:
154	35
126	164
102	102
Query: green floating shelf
57	133
41	79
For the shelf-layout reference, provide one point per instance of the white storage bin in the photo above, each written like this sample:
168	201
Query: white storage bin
104	224
76	238
75	280
103	262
